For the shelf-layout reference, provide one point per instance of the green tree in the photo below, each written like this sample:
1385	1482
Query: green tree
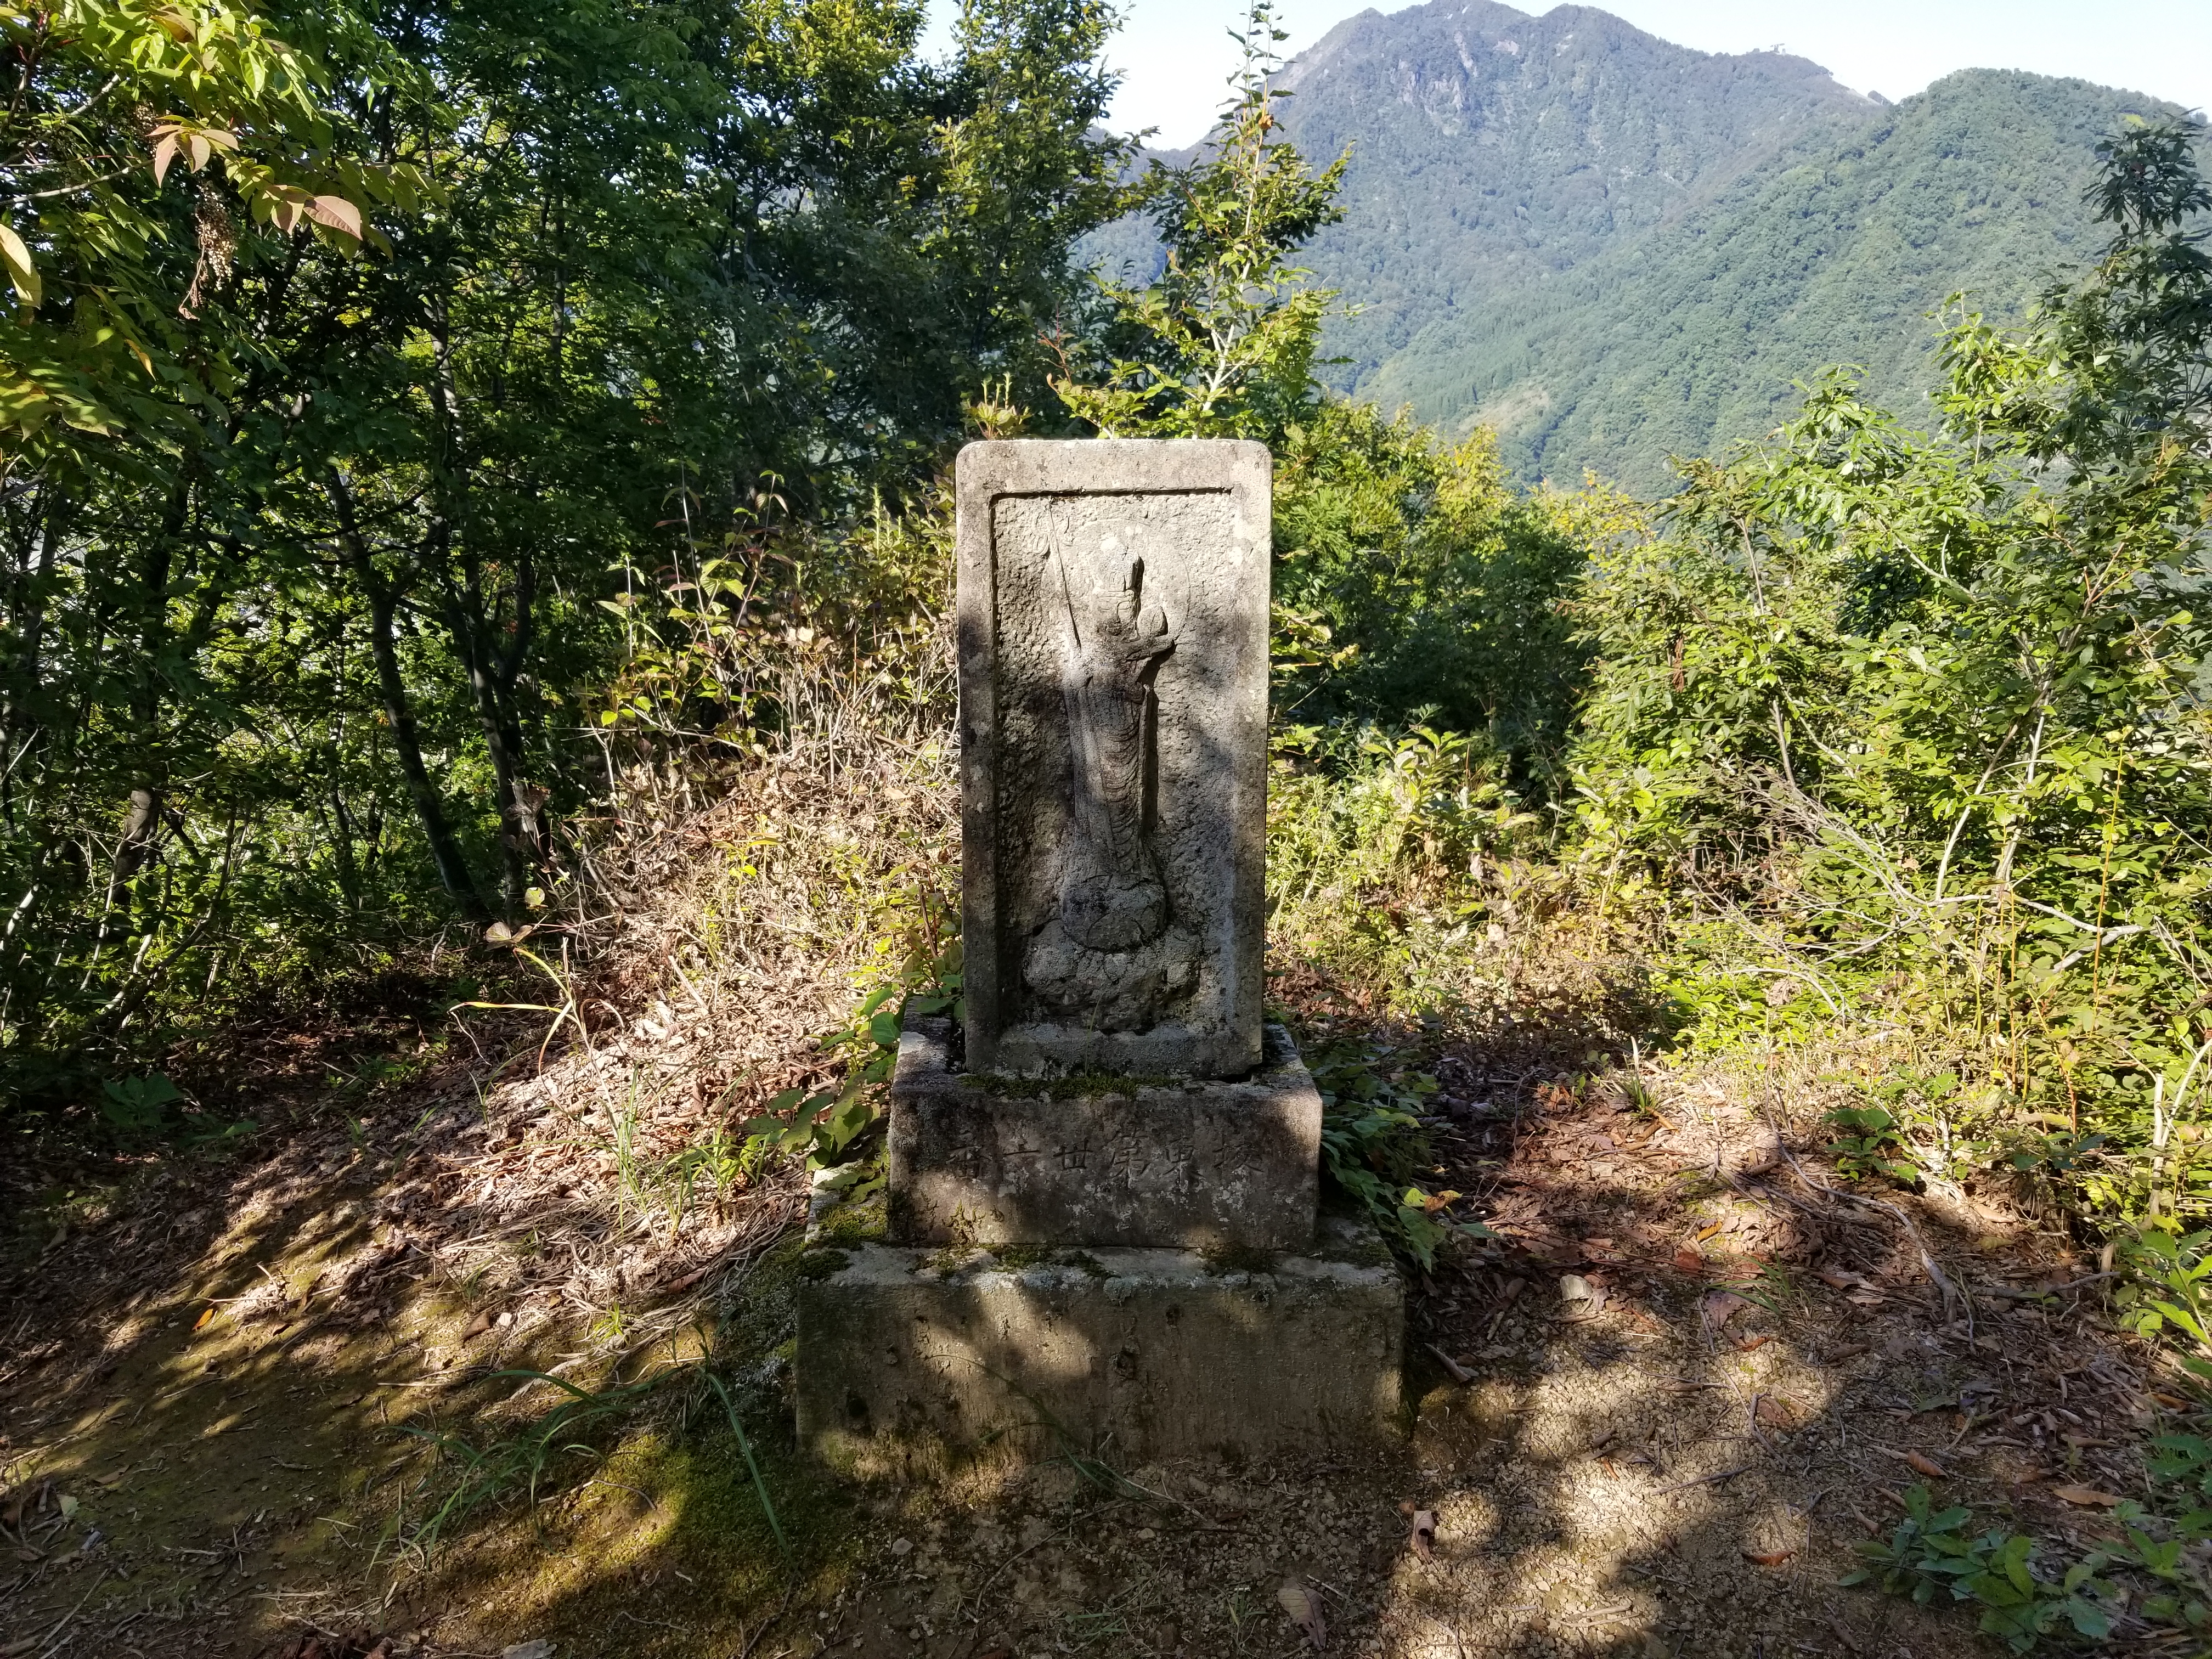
1222	344
111	98
306	620
1414	583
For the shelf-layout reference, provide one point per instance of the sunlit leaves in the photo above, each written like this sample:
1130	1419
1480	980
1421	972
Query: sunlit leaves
22	273
106	79
1222	344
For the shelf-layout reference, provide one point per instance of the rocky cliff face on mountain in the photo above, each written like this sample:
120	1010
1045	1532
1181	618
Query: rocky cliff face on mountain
1613	249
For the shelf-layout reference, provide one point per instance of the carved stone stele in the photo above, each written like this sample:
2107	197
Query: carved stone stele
1112	643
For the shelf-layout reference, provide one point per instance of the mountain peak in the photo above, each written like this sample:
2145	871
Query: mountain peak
1490	146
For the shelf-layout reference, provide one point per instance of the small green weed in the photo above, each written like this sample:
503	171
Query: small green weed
2181	1597
822	1124
1871	1143
488	1474
752	1467
828	1124
721	1163
137	1106
1374	1146
1933	1554
926	938
2166	1291
139	1111
1872	1138
2185	1460
607	1329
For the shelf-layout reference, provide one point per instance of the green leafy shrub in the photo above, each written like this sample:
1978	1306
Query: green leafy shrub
1932	1555
1382	854
1374	1147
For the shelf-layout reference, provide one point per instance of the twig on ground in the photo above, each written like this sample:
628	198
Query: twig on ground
2034	1293
770	1622
975	1602
1704	1480
1951	1295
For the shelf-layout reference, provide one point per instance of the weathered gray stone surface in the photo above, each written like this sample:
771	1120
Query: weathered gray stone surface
1101	1186
1113	641
1206	1165
913	1361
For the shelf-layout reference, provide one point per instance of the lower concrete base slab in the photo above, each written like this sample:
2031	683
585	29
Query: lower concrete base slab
911	1360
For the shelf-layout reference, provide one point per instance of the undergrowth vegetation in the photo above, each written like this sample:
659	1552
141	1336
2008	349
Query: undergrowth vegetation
1907	731
1888	749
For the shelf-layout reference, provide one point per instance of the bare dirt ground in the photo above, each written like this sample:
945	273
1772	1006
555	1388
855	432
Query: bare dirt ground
268	1405
1677	1463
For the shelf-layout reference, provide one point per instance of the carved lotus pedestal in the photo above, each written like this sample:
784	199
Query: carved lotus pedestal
1095	1263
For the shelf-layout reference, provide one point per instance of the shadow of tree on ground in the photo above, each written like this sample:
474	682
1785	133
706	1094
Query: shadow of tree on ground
1652	1418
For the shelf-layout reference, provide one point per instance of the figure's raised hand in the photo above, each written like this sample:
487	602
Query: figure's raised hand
1133	587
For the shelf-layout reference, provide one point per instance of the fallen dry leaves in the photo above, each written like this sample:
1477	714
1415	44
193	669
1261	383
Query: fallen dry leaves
2086	1497
1424	1539
1305	1612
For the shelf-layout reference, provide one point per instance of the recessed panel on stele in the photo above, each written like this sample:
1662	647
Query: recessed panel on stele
1113	639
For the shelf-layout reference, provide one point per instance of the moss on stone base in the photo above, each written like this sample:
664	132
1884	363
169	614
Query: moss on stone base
1075	1085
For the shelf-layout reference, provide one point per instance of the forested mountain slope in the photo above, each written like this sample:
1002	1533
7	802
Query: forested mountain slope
1691	337
1491	149
1613	248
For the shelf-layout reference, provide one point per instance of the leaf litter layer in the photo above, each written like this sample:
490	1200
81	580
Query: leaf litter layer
504	1357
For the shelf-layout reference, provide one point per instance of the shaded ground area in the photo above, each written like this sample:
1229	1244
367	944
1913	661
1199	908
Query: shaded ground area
491	1356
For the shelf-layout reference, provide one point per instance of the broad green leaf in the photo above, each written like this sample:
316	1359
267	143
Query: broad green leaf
22	274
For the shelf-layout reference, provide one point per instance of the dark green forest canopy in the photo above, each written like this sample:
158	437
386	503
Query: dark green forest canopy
348	404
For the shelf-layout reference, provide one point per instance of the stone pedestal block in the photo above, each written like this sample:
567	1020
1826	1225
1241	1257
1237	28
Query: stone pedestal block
1207	1165
915	1360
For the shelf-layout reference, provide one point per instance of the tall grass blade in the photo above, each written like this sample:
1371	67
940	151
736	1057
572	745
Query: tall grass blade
760	1486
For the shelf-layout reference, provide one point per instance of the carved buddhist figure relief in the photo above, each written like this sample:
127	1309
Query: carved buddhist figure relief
1112	897
1113	953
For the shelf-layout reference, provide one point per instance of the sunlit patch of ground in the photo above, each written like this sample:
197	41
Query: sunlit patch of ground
245	1407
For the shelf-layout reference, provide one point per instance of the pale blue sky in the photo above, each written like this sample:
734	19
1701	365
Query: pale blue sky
1175	54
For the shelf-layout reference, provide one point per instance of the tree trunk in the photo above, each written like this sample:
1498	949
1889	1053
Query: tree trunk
32	620
470	620
406	742
493	685
20	716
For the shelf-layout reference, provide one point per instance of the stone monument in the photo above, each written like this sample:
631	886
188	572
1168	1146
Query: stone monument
1101	1216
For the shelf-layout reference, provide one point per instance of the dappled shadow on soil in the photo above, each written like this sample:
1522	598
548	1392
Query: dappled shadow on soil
1652	1418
